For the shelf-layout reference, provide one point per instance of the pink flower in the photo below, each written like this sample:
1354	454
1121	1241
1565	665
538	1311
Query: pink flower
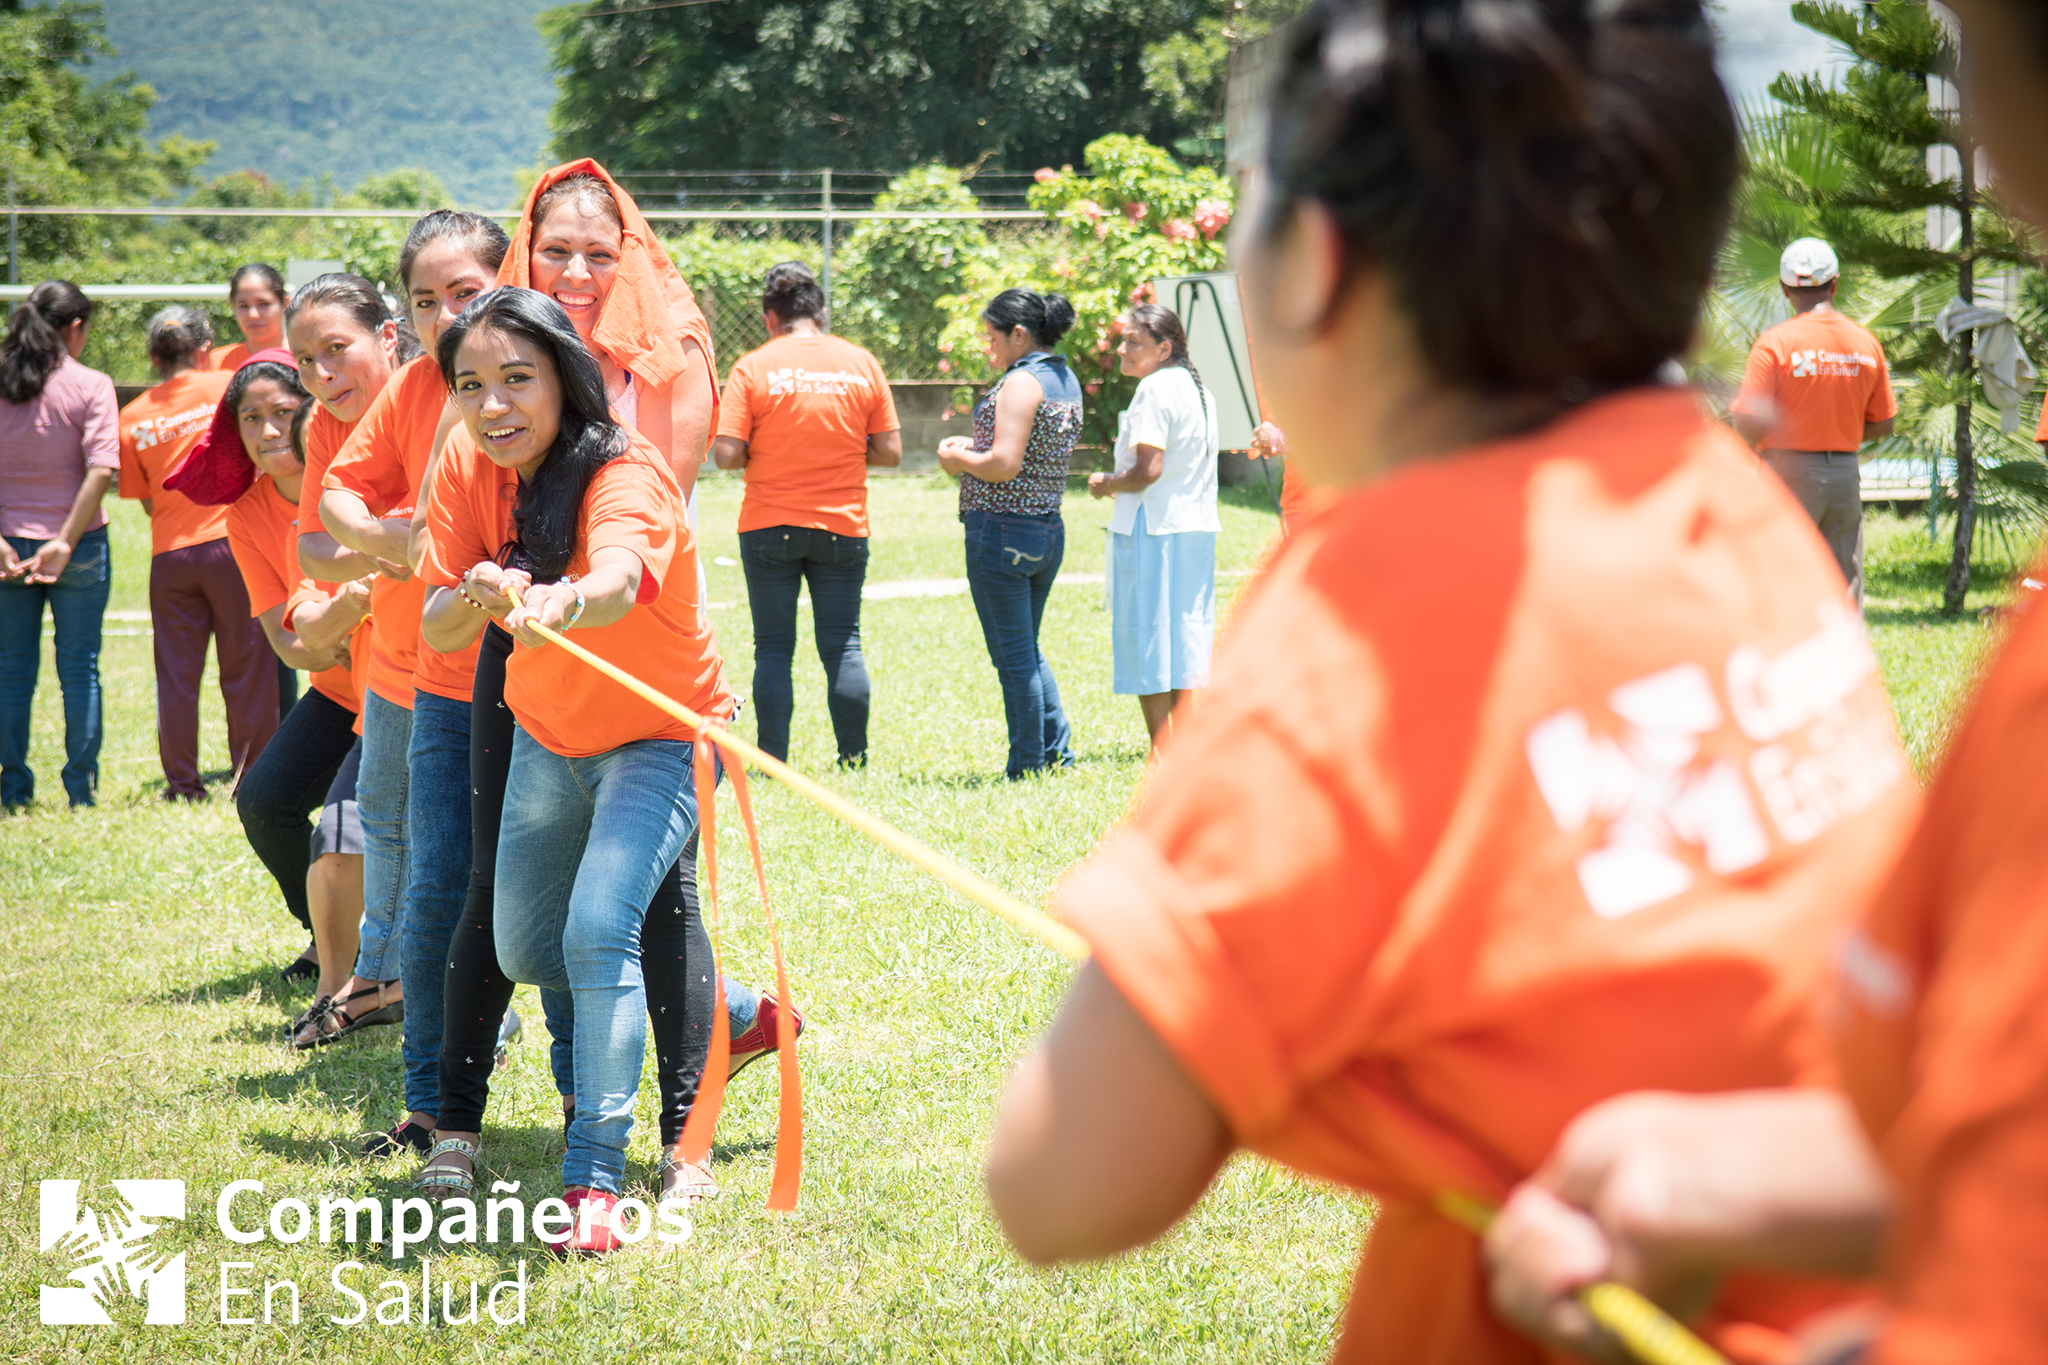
1101	230
1142	294
1135	210
945	348
1212	216
945	367
1063	268
946	416
1091	389
1088	209
1178	230
1045	175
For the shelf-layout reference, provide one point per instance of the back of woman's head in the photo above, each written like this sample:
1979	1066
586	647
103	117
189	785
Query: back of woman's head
480	236
792	292
352	294
287	375
34	345
1045	316
550	501
1544	183
176	335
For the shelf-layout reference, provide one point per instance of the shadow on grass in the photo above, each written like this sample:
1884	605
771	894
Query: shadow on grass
234	986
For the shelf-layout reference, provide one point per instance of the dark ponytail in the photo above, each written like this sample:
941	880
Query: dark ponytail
1545	182
1046	316
551	502
34	346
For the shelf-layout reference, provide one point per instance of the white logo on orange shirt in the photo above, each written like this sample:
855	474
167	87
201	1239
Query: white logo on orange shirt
1656	795
1830	364
837	383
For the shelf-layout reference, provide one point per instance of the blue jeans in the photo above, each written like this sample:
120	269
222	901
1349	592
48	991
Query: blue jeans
779	561
437	884
1011	564
381	784
583	844
78	603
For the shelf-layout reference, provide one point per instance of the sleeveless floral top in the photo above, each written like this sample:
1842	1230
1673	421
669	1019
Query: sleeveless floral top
1036	490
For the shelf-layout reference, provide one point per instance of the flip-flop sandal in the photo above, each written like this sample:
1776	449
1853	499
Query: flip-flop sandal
387	1012
312	1014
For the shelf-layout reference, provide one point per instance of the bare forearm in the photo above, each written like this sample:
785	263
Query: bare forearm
450	624
325	560
352	525
86	505
325	625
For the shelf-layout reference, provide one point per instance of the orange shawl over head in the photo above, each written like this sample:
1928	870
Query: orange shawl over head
650	312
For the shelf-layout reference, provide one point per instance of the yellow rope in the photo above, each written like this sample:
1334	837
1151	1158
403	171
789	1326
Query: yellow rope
1650	1334
1040	926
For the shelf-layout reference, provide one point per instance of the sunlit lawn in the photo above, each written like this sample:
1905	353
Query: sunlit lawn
140	1026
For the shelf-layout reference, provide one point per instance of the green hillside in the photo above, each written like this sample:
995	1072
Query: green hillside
346	88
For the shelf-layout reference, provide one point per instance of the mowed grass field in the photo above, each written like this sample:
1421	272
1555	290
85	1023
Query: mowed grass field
141	1018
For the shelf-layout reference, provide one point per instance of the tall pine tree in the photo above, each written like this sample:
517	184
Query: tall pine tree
1883	126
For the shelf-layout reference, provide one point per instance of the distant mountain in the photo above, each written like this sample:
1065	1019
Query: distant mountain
347	88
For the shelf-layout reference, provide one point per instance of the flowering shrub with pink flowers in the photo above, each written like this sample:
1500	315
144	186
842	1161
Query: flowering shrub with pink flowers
1137	215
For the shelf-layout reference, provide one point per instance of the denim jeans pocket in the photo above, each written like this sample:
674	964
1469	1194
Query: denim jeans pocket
837	551
88	566
1018	546
776	544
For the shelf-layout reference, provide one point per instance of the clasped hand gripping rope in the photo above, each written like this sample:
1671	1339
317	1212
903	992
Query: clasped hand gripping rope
1649	1333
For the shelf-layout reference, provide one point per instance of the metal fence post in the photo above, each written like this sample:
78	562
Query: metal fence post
13	232
825	233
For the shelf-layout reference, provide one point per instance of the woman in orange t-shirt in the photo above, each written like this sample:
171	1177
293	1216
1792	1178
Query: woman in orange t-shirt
1933	1166
805	416
593	521
1443	857
194	591
347	348
257	293
248	463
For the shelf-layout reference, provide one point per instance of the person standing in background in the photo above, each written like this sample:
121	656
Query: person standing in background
1162	544
195	590
1817	389
258	294
1012	473
58	456
806	416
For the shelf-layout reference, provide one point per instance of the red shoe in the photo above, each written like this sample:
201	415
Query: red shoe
758	1041
591	1234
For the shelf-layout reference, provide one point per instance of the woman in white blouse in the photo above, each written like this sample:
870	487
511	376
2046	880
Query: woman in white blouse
1163	529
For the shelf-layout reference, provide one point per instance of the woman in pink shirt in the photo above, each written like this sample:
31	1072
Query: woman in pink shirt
58	454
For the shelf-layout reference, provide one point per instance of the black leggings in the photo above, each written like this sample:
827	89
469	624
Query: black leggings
286	784
679	1000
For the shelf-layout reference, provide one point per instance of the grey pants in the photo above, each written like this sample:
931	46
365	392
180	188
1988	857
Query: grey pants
1830	487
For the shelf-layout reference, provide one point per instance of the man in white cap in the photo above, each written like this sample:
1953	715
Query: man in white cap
1816	390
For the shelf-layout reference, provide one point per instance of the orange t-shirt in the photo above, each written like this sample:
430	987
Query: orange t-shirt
1818	379
384	462
633	502
263	532
325	436
157	431
806	406
1429	869
229	358
1944	1043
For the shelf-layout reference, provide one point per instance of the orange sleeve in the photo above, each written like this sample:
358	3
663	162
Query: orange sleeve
882	417
371	463
258	564
1237	962
1884	404
627	508
735	412
134	483
455	541
1759	381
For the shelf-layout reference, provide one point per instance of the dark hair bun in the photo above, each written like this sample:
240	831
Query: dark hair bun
792	292
1059	319
1046	316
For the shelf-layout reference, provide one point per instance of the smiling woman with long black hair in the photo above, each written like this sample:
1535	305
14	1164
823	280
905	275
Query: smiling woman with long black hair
590	525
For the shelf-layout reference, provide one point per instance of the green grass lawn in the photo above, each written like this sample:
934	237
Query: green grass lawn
140	1027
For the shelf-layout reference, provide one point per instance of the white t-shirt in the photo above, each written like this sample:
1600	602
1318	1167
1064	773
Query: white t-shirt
1168	412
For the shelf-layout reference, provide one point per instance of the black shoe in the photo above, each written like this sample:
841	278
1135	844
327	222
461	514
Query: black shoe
303	969
396	1139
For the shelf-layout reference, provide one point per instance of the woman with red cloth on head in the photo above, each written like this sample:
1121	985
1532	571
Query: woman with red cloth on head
246	462
1931	1165
1441	858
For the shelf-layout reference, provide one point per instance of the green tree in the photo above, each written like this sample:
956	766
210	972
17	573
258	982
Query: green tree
1865	184
1187	72
66	140
875	85
889	282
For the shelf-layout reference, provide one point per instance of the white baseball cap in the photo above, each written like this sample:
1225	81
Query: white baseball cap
1808	263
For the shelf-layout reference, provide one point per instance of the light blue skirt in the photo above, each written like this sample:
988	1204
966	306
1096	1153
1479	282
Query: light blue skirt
1162	609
